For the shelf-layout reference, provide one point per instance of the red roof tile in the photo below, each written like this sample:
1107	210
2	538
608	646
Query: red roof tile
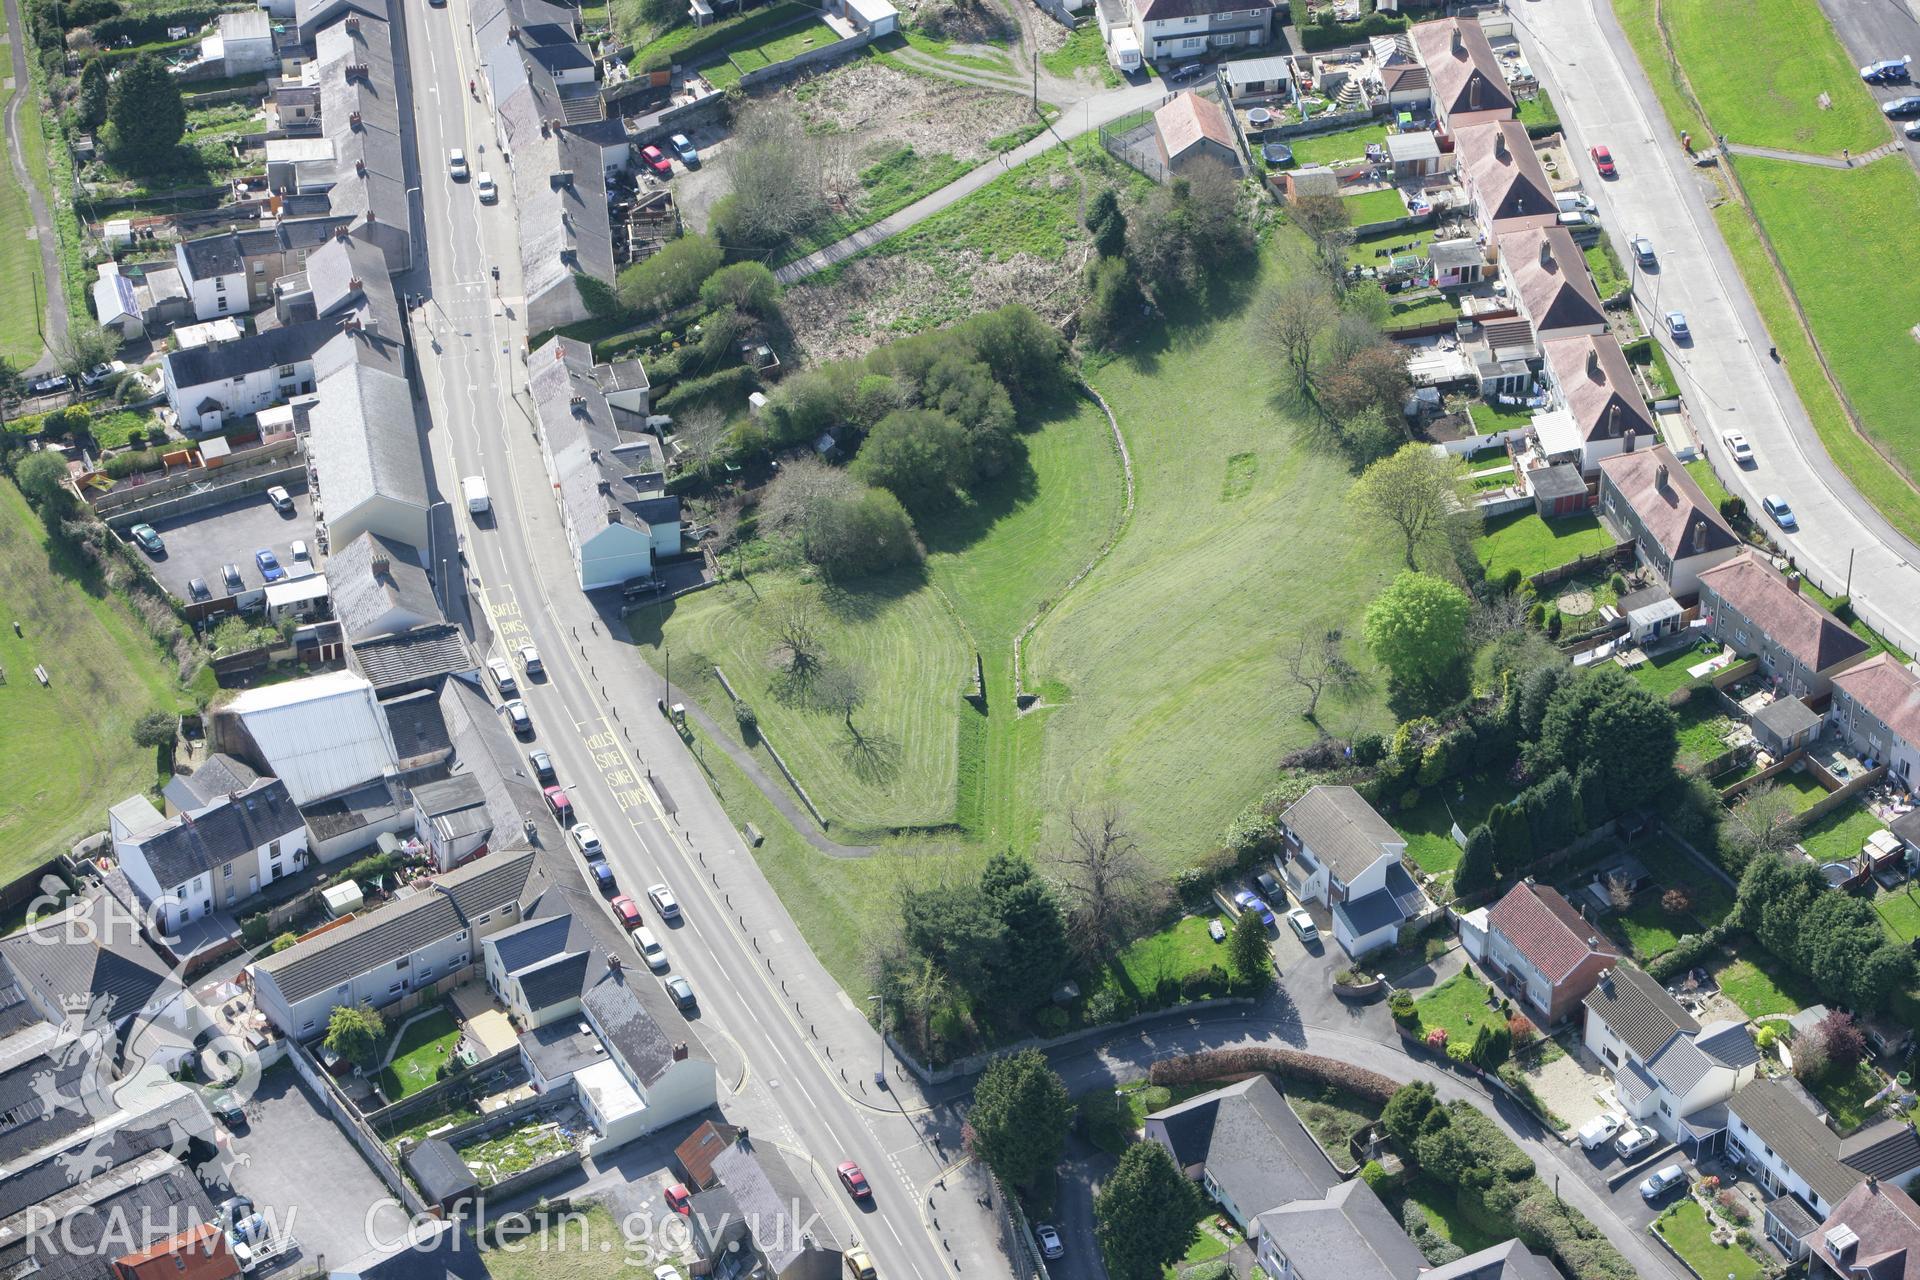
1544	927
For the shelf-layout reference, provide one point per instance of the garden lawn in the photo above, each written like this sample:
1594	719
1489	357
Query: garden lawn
1460	1005
1760	68
1703	731
1441	1204
1375	250
1428	826
1760	986
1840	834
424	1046
1802	786
1665	672
788	42
1701	469
1899	911
1686	1229
499	1157
1342	144
1650	928
1183	949
1489	418
1111	1117
1845	1094
1423	310
66	750
1609	277
1536	111
1332	1116
1375	206
573	1253
1532	545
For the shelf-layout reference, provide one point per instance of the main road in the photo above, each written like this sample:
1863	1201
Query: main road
796	1055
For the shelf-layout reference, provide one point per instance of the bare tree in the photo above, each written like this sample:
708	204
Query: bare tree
1298	313
1317	664
841	688
798	646
779	175
1620	892
1325	220
701	433
804	484
1107	882
1763	820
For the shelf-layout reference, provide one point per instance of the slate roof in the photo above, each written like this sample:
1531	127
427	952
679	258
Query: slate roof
1397	900
105	956
164	1128
124	1209
556	980
1680	1065
1189	120
1509	1261
1349	1234
626	1026
483	747
1785	717
1591	372
370	178
1791	619
443	1176
530	942
210	256
420	654
1887	1224
1544	927
220	775
1728	1043
46	1091
773	1203
1508	180
1553	286
1250	1143
221	361
1466	77
399	928
1638	1009
244	822
1342	829
1888	690
1786	1119
419	729
1173	10
1677	515
363	599
361	438
1635	1083
587	449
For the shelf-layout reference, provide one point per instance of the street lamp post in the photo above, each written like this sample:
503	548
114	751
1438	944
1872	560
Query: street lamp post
880	1076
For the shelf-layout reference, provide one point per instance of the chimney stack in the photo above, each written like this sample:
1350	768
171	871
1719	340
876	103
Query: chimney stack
1794	583
353	120
1660	476
1546	252
680	1051
1593	363
1699	536
1613	420
1459	40
380	566
1500	143
1629	439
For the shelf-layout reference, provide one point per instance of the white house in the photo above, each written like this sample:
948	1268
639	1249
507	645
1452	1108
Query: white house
1876	707
115	304
215	274
1173	29
1668	1070
187	867
216	383
1343	854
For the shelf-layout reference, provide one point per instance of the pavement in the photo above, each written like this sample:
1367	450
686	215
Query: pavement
1730	383
54	297
798	1053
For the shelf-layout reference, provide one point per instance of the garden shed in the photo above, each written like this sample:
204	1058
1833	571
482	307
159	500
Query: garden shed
1559	490
1785	725
445	1181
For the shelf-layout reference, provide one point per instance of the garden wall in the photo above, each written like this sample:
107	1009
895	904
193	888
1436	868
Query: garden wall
395	1115
978	1062
1327	122
811	58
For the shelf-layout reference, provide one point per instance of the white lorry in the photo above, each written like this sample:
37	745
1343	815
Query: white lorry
475	489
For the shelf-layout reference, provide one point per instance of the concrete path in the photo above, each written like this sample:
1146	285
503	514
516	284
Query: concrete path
1805	157
1082	117
54	327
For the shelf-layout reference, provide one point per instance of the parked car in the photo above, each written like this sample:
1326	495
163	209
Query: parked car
230	575
1600	1129
1051	1245
269	565
457	164
1217	929
97	376
300	553
602	876
1886	71
48	384
484	187
282	500
681	990
678	1198
1911	128
517	717
1269	886
530	660
1634	1139
663	901
1782	513
560	805
1658	1184
628	910
197	589
1738	448
1248	900
1303	927
587	839
683	147
1677	326
1642	250
650	949
232	1210
854	1181
1900	108
1603	161
503	677
542	764
149	539
655	160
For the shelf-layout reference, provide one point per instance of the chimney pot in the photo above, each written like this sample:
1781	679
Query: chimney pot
354	284
1500	142
380	565
1546	252
1459	38
1593	363
1794	583
1660	476
680	1051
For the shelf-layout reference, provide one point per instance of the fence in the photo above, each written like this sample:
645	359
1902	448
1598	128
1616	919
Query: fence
777	759
1129	140
484	1074
355	1128
1573	568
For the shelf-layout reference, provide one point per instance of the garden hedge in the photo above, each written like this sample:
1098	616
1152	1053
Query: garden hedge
1218	1064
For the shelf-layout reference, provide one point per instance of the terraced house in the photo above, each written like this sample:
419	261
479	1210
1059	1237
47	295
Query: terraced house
1174	29
1876	707
1761	613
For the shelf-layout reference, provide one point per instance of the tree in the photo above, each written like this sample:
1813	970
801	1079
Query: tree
1762	821
357	1033
1247	949
1407	1113
1551	809
1371	434
42	477
1297	314
869	532
841	689
1189	228
1476	862
94	92
1325	220
1106	878
1146	1214
1372	377
82	347
1113	302
1413	494
154	729
1107	223
798	644
1019	1120
1809	1052
748	286
1677	901
1512	839
672	276
1036	954
1318	666
1846	1046
921	456
778	174
954	926
1492	1045
702	433
1604	719
1416	629
801	487
148	117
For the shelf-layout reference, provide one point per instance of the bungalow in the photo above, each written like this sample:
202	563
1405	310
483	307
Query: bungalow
1873	1234
1876	707
1776	1130
1546	950
1760	612
1590	375
1503	178
1343	854
1191	130
1650	500
1668	1070
1468	86
1509	1261
1246	1147
1169	30
1547	280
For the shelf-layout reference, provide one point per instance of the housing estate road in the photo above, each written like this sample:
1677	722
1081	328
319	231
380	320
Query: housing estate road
764	999
45	234
1082	117
1577	49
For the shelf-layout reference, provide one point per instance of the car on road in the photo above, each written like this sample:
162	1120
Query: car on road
854	1181
860	1265
586	838
1634	1139
650	949
663	901
679	1199
1598	1130
1782	513
530	660
628	910
1603	161
457	164
1051	1246
149	539
1303	926
656	160
50	383
1911	129
1737	448
683	147
1657	1184
197	589
561	806
681	990
1886	71
1677	326
1642	250
230	575
269	565
517	717
542	764
1248	900
484	187
502	677
1900	108
282	500
300	553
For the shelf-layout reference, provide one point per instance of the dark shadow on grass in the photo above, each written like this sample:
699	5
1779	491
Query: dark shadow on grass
862	599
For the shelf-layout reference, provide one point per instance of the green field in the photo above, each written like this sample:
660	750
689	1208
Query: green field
1760	986
1533	545
1840	834
1899	910
66	751
1341	144
20	273
1083	51
808	34
1760	68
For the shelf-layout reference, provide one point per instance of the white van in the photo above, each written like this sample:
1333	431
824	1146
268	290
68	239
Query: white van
650	949
475	490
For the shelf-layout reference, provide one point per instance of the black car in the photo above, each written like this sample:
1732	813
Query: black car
542	765
1899	108
197	589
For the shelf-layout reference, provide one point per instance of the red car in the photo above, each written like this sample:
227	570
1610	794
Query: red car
628	911
677	1198
657	161
1603	161
855	1181
561	806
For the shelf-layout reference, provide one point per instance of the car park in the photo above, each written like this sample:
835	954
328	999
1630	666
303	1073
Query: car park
1657	1184
650	949
559	805
654	159
530	660
1642	250
542	764
1303	927
587	839
1886	71
282	500
628	910
1634	1139
457	164
502	677
1600	1129
149	539
269	565
230	575
1677	326
663	901
517	717
854	1181
1782	514
1603	161
1738	448
1900	108
1051	1245
484	187
683	147
681	990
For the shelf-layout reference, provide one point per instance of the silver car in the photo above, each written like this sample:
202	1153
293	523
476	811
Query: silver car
1657	1184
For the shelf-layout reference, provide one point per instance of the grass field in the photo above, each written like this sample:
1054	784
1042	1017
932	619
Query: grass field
1375	206
1686	1229
20	273
1760	68
1900	911
66	750
1083	51
1175	952
588	1247
1802	786
1532	545
777	46
1342	144
1758	984
1665	672
423	1047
